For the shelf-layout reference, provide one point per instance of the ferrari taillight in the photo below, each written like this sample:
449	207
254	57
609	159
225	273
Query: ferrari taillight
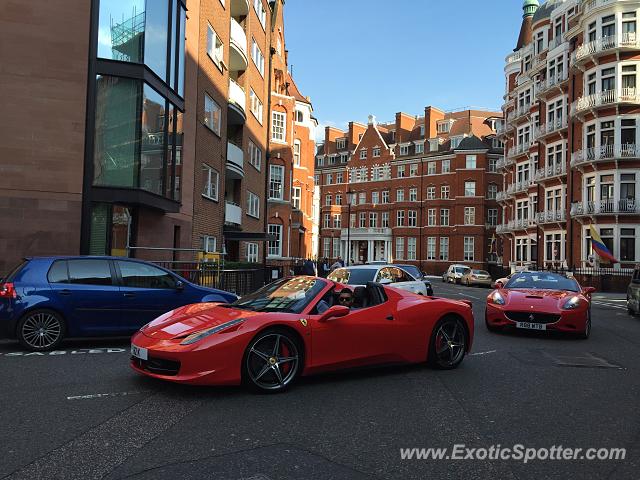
7	290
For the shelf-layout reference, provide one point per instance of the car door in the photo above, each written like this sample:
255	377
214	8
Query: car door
146	293
365	336
88	290
403	280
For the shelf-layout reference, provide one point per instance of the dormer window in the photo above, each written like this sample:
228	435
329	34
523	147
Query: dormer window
455	142
299	116
376	152
341	143
393	135
404	149
434	143
422	130
444	126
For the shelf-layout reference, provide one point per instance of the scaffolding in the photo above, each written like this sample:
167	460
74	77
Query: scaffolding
127	37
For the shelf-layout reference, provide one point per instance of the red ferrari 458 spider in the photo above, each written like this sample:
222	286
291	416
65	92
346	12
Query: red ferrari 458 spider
301	326
540	301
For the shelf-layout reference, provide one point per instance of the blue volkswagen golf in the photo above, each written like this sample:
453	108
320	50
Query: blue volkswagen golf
44	300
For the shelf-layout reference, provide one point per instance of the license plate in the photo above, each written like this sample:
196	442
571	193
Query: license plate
138	352
531	326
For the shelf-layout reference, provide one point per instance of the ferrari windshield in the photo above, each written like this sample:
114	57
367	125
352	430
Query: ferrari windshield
542	281
290	295
353	276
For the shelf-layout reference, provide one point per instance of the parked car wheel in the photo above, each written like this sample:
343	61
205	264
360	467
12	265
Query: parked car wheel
448	343
41	330
587	329
272	361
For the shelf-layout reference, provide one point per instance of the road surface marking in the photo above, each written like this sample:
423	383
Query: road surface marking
470	296
482	353
610	305
80	351
102	395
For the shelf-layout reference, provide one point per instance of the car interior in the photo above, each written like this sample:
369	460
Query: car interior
364	297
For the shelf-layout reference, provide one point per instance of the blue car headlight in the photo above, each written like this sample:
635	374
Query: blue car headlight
197	336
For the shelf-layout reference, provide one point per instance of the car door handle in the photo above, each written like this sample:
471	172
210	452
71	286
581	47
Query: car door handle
390	317
64	292
129	295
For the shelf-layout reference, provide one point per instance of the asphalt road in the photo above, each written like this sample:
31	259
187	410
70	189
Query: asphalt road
81	413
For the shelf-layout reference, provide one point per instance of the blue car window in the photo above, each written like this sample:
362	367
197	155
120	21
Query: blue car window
58	272
142	275
90	272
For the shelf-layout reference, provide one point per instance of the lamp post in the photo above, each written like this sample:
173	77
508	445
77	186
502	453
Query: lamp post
348	254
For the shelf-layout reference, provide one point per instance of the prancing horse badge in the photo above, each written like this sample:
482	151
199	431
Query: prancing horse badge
303	321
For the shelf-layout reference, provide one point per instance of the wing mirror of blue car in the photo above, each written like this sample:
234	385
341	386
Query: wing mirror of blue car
336	311
179	285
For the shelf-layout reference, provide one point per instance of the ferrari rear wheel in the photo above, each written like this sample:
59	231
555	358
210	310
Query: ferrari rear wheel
448	343
272	361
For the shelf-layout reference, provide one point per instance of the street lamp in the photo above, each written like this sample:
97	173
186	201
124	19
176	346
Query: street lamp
348	254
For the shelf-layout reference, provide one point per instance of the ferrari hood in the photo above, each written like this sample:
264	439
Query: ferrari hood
545	300
192	318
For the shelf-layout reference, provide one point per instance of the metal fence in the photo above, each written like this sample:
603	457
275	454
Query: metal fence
604	279
239	281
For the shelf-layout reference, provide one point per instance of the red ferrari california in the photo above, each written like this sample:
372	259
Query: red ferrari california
540	301
301	326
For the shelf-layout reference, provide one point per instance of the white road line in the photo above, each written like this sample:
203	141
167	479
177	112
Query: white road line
610	305
102	395
470	296
483	353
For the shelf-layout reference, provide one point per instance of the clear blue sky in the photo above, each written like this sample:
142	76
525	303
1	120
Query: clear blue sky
361	57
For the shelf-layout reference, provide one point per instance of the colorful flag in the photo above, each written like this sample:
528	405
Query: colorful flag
599	247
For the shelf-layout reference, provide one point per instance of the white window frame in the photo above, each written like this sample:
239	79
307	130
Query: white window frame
260	12
256	105
274	248
296	197
468	190
257	56
212	183
252	252
278	127
253	204
469	249
411	248
210	107
280	169
297	147
215	47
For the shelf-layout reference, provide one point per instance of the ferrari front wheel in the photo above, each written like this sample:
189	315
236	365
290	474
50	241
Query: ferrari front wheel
587	327
448	343
272	361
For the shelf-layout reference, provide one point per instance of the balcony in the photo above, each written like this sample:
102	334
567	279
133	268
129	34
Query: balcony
239	8
605	153
551	171
518	150
503	228
519	112
232	214
514	57
590	5
366	233
551	216
502	196
605	207
238	60
546	87
556	42
589	50
607	98
504	163
237	104
490	226
235	162
550	127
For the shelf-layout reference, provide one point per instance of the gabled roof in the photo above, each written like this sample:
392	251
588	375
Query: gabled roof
294	92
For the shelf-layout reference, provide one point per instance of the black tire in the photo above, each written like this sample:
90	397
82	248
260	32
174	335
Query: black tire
41	330
587	329
258	363
455	353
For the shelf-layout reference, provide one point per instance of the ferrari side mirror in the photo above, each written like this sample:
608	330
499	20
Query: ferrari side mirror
336	311
588	290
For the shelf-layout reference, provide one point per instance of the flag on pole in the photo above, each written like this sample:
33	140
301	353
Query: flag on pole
599	247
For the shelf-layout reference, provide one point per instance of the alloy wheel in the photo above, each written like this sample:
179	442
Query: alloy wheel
449	343
41	330
272	361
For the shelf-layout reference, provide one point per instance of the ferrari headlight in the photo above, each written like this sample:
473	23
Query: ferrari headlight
197	336
571	304
497	298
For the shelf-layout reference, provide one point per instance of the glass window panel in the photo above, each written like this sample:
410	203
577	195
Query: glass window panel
121	30
116	141
152	151
98	239
141	275
89	272
156	35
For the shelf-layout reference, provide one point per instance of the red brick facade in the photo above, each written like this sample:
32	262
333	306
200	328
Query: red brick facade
571	137
421	189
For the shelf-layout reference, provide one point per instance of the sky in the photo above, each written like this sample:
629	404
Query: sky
360	57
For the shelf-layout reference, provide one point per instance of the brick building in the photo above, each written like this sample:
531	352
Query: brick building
292	205
417	189
571	134
148	134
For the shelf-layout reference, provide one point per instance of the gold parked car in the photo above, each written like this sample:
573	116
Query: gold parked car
476	277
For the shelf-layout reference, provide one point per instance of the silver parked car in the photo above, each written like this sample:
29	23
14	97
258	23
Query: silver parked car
385	274
454	273
476	277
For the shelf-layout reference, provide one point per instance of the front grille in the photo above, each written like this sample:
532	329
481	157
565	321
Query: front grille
158	366
532	317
